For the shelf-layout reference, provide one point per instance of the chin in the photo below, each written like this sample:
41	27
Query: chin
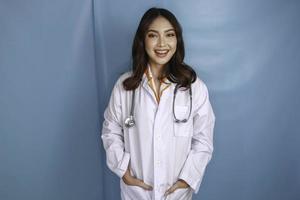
161	61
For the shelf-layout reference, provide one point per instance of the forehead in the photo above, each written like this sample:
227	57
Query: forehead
160	23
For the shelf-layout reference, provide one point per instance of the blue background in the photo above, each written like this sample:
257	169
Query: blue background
59	60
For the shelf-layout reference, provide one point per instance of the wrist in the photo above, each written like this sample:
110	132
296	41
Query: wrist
184	182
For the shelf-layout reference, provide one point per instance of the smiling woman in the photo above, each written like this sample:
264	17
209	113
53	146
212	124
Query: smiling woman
162	149
160	45
160	42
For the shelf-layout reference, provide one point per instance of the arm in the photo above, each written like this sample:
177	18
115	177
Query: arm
202	140
112	134
117	158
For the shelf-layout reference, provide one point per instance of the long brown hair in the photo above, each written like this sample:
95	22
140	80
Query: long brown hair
175	70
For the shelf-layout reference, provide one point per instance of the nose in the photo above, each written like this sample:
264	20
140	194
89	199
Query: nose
161	42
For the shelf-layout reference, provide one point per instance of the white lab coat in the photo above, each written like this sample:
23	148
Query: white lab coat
158	150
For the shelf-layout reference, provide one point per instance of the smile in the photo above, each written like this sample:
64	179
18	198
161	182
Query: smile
161	53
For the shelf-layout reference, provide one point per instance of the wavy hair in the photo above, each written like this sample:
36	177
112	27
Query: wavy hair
175	70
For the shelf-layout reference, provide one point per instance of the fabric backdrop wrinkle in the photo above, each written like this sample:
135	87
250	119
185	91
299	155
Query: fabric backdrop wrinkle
59	61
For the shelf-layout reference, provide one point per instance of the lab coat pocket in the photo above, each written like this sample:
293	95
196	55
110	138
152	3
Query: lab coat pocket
181	128
181	194
133	192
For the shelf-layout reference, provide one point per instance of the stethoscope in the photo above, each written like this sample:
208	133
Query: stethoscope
130	122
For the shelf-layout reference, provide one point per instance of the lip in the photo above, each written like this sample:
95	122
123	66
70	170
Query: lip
162	50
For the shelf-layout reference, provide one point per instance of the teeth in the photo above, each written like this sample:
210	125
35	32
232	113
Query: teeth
161	51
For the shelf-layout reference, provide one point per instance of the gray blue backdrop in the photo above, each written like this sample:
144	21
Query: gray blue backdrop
59	60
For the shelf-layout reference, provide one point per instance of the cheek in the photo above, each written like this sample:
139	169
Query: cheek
174	44
148	49
173	50
149	43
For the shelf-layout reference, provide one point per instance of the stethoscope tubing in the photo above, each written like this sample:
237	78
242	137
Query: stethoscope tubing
130	121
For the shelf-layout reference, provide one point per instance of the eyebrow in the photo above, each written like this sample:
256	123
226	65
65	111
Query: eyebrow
157	31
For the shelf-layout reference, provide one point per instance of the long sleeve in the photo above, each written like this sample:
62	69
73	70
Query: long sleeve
112	134
202	139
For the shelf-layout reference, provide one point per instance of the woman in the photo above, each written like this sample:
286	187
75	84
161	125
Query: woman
161	150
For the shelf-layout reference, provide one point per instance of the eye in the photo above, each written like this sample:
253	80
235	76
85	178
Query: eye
151	35
171	35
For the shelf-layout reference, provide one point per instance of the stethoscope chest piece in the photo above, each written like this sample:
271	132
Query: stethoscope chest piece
129	121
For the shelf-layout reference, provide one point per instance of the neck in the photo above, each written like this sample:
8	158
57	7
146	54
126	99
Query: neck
156	70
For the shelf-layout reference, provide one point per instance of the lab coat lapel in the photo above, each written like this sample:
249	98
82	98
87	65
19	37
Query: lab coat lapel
169	90
167	93
147	87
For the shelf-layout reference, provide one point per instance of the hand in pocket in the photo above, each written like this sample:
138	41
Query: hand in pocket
179	184
132	181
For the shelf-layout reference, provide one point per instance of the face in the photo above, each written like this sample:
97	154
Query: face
160	42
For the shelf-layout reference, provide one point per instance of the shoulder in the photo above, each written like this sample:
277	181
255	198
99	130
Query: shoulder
124	76
200	93
121	78
199	85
